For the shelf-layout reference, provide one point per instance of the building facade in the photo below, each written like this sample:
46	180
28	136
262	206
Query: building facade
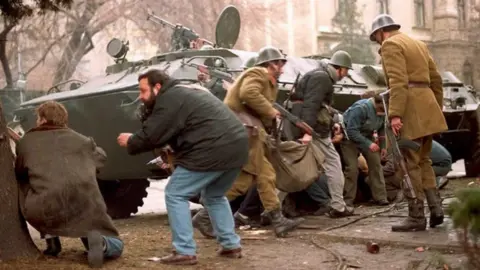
449	27
310	27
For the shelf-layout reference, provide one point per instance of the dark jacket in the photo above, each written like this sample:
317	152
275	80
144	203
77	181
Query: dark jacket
203	133
315	89
361	120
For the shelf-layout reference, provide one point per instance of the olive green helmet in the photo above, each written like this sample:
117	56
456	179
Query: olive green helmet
341	59
206	47
382	21
267	54
250	62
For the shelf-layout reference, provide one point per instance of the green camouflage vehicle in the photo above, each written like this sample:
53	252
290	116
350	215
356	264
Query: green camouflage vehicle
108	104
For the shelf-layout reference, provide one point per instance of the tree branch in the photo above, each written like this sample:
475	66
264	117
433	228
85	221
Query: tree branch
44	56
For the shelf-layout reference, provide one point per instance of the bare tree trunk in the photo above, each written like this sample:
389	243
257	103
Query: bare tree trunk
3	54
16	241
77	46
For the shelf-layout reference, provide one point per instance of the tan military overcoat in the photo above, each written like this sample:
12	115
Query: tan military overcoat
407	62
253	93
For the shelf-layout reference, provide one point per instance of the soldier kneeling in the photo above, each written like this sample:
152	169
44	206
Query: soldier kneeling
56	168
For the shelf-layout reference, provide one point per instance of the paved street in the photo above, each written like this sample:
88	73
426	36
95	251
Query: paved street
155	203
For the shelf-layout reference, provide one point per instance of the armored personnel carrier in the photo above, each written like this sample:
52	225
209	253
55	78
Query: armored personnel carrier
108	104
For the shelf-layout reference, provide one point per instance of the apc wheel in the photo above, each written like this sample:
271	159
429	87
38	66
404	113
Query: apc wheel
123	197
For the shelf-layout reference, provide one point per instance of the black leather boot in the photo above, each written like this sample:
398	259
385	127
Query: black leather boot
282	225
435	205
54	246
415	221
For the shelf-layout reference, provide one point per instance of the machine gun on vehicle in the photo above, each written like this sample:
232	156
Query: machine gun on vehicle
396	144
181	36
226	31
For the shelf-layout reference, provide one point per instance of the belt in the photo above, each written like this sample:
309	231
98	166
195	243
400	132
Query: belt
418	85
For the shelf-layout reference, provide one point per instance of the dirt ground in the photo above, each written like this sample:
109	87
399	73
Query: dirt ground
148	236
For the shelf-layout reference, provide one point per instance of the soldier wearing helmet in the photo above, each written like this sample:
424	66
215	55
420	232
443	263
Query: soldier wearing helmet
250	62
206	47
311	102
414	113
251	98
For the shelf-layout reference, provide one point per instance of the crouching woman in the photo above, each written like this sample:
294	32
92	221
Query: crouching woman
56	168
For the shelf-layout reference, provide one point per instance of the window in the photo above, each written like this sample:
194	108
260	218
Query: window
461	13
419	13
382	6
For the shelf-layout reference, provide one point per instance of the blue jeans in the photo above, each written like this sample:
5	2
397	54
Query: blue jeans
213	186
114	246
318	190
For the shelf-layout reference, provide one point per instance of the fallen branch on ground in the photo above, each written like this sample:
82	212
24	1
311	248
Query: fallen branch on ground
362	218
342	263
254	237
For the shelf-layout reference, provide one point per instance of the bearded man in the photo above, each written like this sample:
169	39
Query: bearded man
210	146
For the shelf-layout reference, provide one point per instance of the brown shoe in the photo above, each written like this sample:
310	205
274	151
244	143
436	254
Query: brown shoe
235	253
178	259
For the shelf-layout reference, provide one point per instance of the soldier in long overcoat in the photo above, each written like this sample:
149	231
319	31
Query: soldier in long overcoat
415	113
251	98
56	168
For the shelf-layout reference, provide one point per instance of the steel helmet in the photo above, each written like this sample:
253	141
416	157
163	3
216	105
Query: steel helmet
341	59
268	53
206	47
382	21
250	62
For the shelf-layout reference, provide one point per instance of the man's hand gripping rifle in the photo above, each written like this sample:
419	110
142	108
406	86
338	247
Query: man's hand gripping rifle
396	144
296	121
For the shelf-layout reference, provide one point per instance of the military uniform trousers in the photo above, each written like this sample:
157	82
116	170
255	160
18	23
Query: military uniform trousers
265	180
419	166
376	179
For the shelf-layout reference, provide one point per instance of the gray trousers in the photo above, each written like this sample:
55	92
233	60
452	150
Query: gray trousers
333	171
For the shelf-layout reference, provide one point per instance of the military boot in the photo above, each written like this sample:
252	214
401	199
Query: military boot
282	225
201	221
435	205
415	221
54	246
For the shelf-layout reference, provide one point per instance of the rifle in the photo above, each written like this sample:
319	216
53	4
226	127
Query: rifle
164	153
292	91
296	121
396	145
211	71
